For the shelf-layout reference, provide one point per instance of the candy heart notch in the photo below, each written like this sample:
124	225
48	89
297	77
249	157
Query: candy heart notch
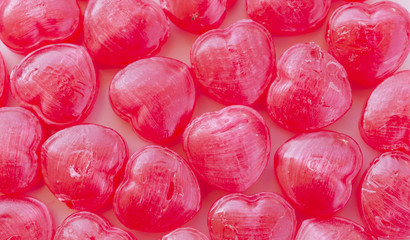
196	16
234	65
20	140
29	25
87	225
335	228
185	233
288	17
159	191
3	77
156	95
385	123
80	165
263	216
384	196
229	148
311	91
316	170
370	41
120	32
57	82
23	217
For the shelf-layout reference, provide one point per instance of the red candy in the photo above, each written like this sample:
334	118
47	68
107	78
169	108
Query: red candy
25	218
335	228
58	82
385	123
385	194
316	171
263	216
120	32
370	41
186	233
80	165
26	25
156	95
311	91
87	225
3	76
234	65
229	148
286	17
159	191
196	16
20	139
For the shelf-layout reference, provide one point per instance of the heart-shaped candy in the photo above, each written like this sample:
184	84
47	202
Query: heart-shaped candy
316	171
58	82
311	90
28	25
234	65
229	148
370	41
87	225
263	216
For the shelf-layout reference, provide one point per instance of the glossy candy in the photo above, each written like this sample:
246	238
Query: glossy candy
185	233
80	165
288	17
196	16
87	225
159	191
120	32
385	123
234	65
28	25
229	148
58	82
263	216
20	139
370	41
311	90
335	228
384	196
25	218
156	95
3	78
316	171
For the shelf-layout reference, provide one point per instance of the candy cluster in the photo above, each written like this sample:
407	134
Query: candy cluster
46	136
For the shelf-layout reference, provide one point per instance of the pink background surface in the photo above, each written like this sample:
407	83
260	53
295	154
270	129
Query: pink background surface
178	47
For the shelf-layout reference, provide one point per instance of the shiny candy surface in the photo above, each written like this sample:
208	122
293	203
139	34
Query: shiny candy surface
28	25
120	32
229	148
316	171
286	17
185	233
234	65
58	82
385	123
370	41
25	218
263	216
3	78
335	228
156	95
80	165
311	91
161	187
384	196
20	139
87	225
195	16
